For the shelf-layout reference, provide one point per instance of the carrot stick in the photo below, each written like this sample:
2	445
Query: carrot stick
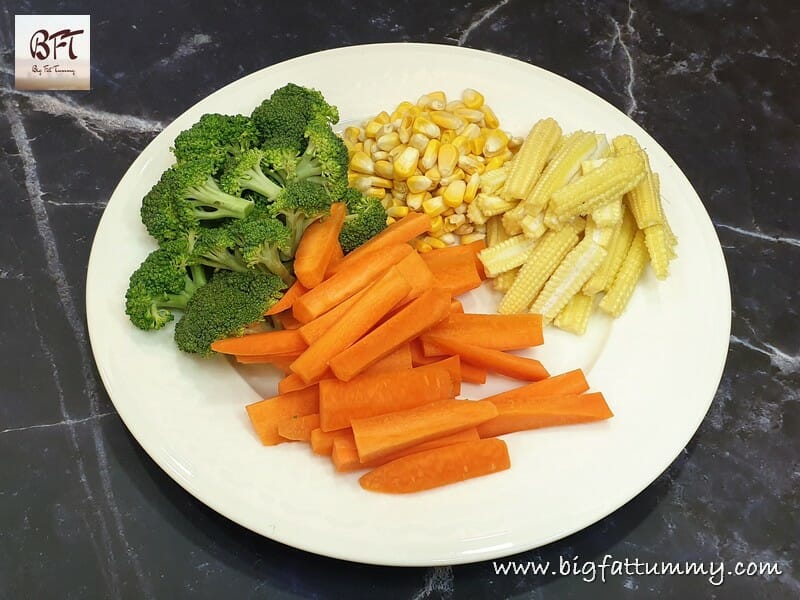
456	307
298	428
292	382
399	232
279	361
499	332
370	395
443	255
417	274
456	273
322	441
286	341
565	384
518	367
438	467
287	320
345	454
383	434
338	255
314	329
547	411
362	316
451	364
347	281
266	414
398	359
418	316
318	246
287	300
472	374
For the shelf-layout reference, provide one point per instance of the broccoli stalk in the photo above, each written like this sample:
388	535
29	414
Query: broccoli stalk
300	203
366	218
226	306
244	172
162	282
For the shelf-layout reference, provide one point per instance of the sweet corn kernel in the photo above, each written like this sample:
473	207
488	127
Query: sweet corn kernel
383	117
361	162
494	163
422	247
404	130
434	206
434	174
419	183
454	194
496	143
447	160
472	237
372	128
388	141
369	146
476	144
470	131
491	120
418	141
447	136
433	242
454	105
472	187
384	168
352	134
406	163
396	151
461	144
446	120
390	220
456	220
425	126
469	164
379	155
430	155
458	173
472	98
468	114
437	223
400	111
414	201
398	212
381	182
376	192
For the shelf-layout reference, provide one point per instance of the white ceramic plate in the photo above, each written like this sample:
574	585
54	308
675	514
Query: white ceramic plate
658	366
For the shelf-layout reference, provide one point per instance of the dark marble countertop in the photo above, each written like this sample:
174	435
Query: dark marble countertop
85	513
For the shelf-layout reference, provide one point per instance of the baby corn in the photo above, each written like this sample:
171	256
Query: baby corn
617	249
618	295
574	317
504	281
568	278
531	159
506	255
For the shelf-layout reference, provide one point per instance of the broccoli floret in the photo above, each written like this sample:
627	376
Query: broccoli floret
300	203
325	159
366	218
261	241
162	282
281	119
224	307
244	172
215	137
185	195
217	247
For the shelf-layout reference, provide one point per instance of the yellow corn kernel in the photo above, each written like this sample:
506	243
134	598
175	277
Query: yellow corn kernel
437	223
430	155
472	187
472	98
446	120
465	229
474	214
404	130
434	206
457	174
426	127
617	249
414	201
352	134
531	158
398	212
454	194
396	200
493	205
373	128
533	227
542	262
361	182
439	190
383	182
489	118
424	101
475	236
493	179
477	144
604	184
362	163
400	111
406	163
644	201
495	163
461	144
383	168
419	183
434	175
438	95
504	281
369	146
433	242
559	170
515	142
455	221
418	141
422	247
659	248
388	141
470	131
447	136
568	278
574	317
383	117
620	292
470	115
447	159
496	143
376	192
506	255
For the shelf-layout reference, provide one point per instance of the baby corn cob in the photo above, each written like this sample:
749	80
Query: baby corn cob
645	199
561	168
493	205
506	255
600	235
568	278
495	232
531	158
617	249
574	317
618	295
512	220
659	248
545	258
504	281
609	214
600	186
533	227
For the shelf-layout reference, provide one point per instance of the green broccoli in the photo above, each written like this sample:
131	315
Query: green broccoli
366	218
164	281
261	240
185	195
217	247
226	306
245	172
300	204
215	137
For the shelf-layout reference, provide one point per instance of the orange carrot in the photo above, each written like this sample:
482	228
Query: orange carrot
499	332
286	341
362	316
398	359
469	373
387	433
565	384
456	307
298	428
322	441
266	414
338	255
368	395
287	300
345	454
438	467
417	274
547	411
472	374
314	329
291	383
518	367
418	316
287	320
399	232
279	361
443	255
456	273
451	364
318	246
347	281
